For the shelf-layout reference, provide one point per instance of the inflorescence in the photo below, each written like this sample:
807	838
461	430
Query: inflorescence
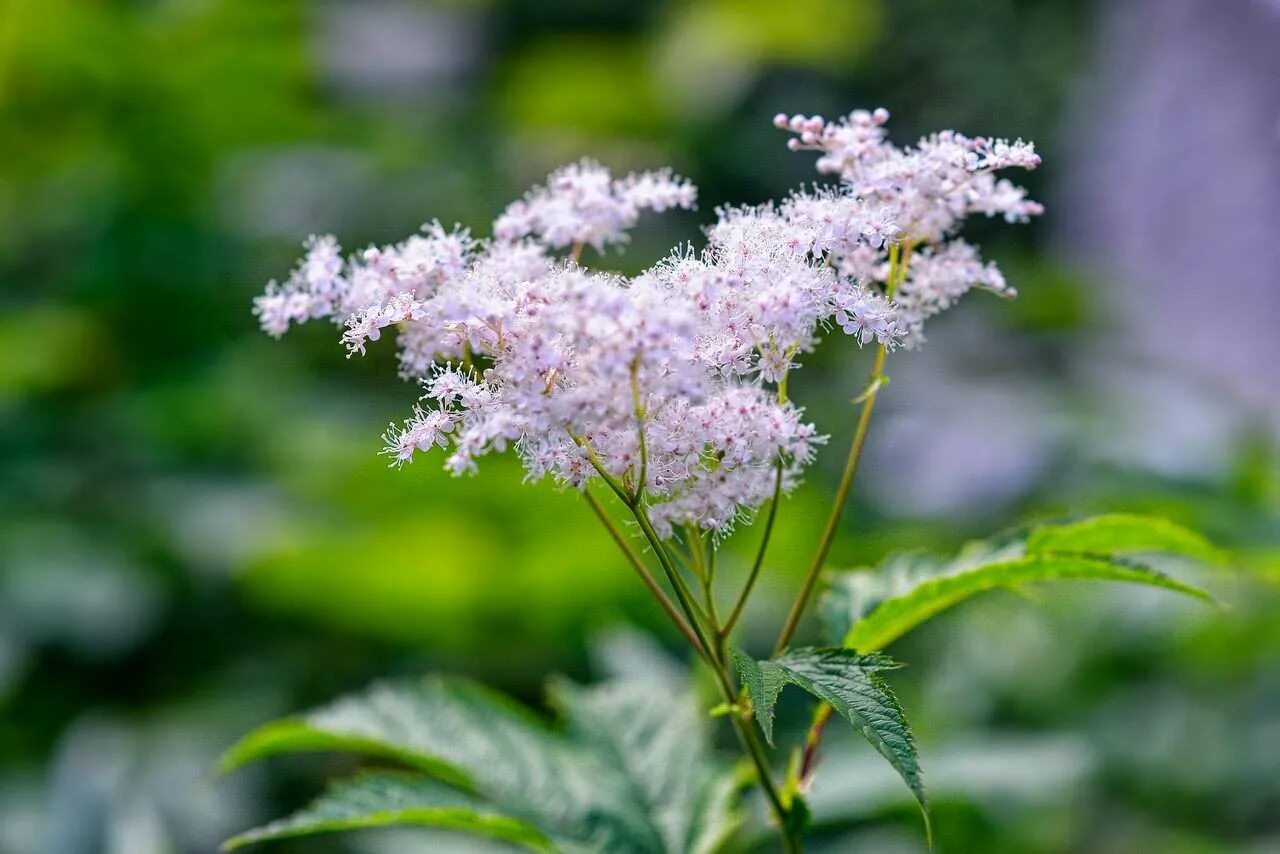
670	383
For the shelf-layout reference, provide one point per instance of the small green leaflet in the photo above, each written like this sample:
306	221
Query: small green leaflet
852	685
763	681
387	798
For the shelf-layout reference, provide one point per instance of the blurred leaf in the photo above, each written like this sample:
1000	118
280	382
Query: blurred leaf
850	596
296	735
48	348
1121	533
604	787
378	800
654	734
600	85
896	616
413	556
711	52
869	609
805	32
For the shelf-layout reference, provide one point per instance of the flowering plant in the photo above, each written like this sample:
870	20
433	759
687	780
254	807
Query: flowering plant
664	398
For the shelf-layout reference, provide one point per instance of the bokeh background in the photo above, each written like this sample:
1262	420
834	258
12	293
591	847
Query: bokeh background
196	533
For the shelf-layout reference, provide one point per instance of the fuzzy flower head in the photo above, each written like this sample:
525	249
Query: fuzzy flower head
583	204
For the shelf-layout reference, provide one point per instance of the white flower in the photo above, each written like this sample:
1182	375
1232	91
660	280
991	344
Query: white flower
426	429
583	204
312	291
926	191
928	188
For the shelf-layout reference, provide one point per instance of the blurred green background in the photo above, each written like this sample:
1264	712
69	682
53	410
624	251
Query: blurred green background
196	533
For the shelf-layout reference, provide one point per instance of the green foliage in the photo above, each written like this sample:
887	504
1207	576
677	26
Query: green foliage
662	748
869	610
632	771
1123	533
381	799
749	31
852	685
593	85
764	681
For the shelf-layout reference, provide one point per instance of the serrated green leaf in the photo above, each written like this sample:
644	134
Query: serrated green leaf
1088	549
464	734
763	681
383	799
851	684
1121	533
656	736
298	735
896	615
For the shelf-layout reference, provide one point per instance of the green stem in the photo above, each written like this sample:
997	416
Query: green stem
899	258
683	595
759	561
638	405
809	756
704	569
837	507
640	568
709	588
715	659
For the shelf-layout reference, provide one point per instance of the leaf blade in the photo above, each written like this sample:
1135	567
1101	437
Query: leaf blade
296	735
657	737
851	684
1124	533
764	681
896	616
472	738
385	799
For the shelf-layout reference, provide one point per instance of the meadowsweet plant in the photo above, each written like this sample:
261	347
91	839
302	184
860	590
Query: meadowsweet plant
663	400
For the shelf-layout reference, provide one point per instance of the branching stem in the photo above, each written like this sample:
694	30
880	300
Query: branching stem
640	568
759	561
715	659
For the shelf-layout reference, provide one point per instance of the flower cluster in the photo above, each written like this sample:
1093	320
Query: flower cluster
926	191
667	385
